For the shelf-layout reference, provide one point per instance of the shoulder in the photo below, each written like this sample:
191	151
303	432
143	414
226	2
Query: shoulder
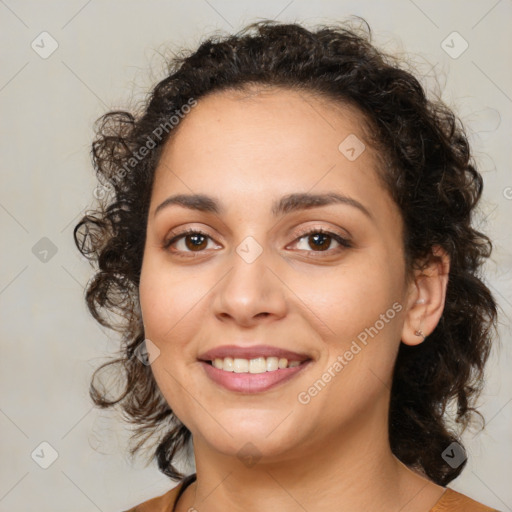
453	501
162	503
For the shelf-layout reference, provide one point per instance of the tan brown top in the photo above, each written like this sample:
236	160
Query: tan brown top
453	501
450	501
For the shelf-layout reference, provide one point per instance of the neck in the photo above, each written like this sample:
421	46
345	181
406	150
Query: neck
341	472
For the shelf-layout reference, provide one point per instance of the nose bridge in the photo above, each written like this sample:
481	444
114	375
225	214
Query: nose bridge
250	287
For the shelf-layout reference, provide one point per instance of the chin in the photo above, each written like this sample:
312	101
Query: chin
254	440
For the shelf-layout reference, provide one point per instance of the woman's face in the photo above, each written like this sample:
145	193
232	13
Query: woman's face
261	272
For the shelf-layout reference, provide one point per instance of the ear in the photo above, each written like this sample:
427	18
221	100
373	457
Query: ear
426	297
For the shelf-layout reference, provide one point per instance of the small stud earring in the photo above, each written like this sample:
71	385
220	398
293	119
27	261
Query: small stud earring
420	333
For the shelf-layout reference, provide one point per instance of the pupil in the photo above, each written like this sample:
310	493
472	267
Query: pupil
196	241
321	235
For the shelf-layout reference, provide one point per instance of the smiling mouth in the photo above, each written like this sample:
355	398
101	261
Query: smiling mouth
251	375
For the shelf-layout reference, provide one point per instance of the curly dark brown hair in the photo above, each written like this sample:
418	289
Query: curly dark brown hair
428	170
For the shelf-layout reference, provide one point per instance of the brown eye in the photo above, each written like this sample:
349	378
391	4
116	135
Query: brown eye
319	240
192	241
196	241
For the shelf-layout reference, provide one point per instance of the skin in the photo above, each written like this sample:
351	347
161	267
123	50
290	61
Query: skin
248	150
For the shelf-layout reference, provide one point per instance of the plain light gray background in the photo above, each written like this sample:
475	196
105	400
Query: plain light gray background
108	54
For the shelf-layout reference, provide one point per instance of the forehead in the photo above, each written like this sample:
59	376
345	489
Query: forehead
271	116
269	142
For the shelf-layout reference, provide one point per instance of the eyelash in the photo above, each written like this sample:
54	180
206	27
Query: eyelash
338	238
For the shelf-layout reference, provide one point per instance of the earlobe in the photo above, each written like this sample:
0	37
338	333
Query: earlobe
420	333
427	293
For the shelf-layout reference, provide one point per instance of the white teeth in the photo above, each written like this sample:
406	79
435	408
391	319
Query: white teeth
229	364
256	365
241	365
272	364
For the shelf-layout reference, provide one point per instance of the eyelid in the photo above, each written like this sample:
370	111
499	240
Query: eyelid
321	229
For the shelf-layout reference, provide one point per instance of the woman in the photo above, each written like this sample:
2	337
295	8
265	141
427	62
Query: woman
287	237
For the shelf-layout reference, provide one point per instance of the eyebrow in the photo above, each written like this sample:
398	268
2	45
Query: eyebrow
287	204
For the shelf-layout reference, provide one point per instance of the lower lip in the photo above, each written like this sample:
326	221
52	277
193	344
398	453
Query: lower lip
251	382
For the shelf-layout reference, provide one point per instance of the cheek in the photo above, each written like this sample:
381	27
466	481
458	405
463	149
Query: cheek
359	310
349	298
167	310
167	298
153	302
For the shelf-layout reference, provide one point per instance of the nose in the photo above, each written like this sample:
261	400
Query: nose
251	291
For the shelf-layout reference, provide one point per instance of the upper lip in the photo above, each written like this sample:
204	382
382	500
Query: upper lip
252	352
